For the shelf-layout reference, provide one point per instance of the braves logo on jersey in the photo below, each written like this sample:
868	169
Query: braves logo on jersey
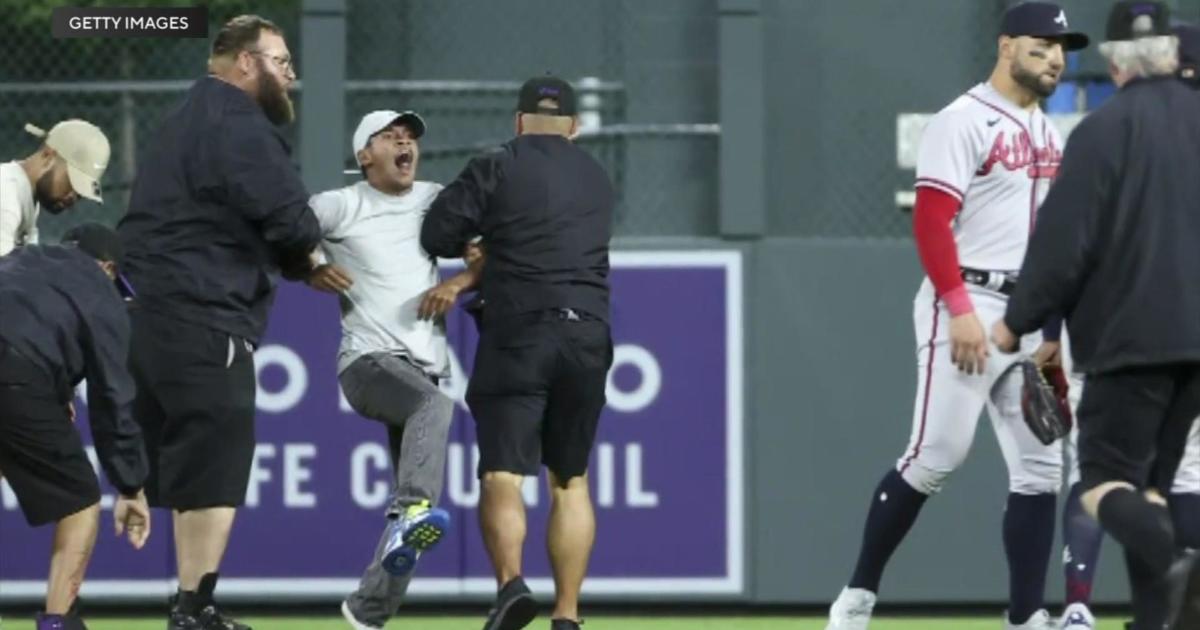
1015	151
998	160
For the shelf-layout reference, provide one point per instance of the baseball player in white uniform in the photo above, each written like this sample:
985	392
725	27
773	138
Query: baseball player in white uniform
985	163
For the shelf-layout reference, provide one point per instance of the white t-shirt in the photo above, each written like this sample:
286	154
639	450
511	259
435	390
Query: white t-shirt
999	160
18	212
376	238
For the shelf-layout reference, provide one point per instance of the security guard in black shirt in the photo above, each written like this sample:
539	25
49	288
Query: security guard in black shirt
63	320
1115	249
216	213
543	207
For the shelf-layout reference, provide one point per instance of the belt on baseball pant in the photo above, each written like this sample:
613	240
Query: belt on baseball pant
1004	282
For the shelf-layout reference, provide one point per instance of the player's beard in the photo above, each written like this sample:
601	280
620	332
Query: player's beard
273	98
43	196
1032	81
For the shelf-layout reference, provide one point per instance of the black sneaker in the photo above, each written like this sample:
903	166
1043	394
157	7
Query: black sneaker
565	624
212	618
197	610
59	622
208	618
179	620
515	607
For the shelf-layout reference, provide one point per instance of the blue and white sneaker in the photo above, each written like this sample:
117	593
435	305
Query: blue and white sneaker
1077	617
419	528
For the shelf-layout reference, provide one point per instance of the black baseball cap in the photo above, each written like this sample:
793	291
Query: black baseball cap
1042	19
1134	19
103	244
538	88
1189	50
1189	43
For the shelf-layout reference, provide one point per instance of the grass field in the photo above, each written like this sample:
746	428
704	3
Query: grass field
595	623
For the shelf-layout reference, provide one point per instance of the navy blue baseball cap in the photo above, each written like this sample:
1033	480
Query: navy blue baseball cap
1189	43
1133	19
103	244
535	90
1189	50
1044	20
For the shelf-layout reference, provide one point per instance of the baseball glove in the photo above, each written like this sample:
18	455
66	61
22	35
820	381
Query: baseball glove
1044	402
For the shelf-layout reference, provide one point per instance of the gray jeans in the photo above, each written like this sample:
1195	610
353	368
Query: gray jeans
417	414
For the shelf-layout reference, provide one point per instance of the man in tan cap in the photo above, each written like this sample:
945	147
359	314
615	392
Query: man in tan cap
68	166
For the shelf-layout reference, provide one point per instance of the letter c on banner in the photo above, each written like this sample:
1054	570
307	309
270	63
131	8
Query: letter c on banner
651	379
368	494
297	378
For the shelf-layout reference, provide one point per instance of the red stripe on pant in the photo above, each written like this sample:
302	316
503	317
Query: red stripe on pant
928	386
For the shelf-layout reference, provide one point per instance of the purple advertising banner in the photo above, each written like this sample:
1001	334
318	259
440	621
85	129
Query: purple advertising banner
666	473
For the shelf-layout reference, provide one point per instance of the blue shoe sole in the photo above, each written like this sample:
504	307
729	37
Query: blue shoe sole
421	536
400	561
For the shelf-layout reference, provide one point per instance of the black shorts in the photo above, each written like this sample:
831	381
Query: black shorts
195	404
1134	423
537	391
41	453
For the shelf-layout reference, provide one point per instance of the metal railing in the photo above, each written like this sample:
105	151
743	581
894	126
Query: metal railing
665	174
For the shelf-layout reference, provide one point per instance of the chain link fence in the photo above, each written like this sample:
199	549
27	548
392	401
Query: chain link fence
465	117
834	173
664	174
458	62
650	67
124	86
911	57
462	61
